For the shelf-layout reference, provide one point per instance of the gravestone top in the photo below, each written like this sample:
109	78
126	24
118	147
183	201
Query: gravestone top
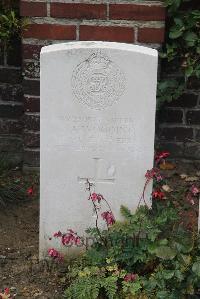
97	123
99	45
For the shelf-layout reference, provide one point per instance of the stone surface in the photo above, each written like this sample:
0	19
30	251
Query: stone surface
97	123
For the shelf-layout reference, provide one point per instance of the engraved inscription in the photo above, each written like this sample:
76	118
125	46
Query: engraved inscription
98	82
88	133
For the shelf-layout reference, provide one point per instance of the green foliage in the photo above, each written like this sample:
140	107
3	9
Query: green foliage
10	22
90	282
168	90
151	243
182	49
10	188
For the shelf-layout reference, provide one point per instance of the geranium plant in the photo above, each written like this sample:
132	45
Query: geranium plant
153	253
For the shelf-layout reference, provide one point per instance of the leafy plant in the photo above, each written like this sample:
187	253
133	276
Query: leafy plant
150	254
182	49
12	189
10	23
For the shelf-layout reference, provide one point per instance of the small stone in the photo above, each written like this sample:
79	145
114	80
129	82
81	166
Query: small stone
183	176
167	188
192	179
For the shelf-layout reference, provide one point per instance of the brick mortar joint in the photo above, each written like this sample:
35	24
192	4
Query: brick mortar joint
96	22
12	137
177	125
31	113
31	132
28	149
11	103
10	67
191	109
136	2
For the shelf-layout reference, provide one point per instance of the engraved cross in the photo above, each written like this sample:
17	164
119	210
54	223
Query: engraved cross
96	178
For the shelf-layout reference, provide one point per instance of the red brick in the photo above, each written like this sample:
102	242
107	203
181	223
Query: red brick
176	133
33	9
8	126
170	116
102	33
31	104
31	139
11	111
31	87
50	31
78	10
31	122
193	117
137	12
31	51
151	35
31	158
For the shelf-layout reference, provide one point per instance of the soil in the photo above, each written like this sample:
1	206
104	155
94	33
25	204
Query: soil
20	269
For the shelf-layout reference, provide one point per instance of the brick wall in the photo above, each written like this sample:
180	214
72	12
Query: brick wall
178	129
11	102
178	126
139	22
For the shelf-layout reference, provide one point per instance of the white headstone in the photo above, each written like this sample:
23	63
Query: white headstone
97	122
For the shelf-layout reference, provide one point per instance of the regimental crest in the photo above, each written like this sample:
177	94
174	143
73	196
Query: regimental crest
98	82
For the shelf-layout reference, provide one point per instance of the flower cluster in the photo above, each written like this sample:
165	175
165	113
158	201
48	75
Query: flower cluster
130	277
153	173
194	190
5	294
192	194
30	191
55	254
96	197
160	157
108	217
157	194
68	239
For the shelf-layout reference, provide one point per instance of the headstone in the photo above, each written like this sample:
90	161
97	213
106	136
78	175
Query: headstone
97	122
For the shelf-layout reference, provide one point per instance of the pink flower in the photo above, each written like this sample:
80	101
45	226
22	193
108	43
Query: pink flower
153	173
57	235
161	156
96	197
30	191
195	191
130	277
108	217
71	238
6	291
159	178
55	254
150	174
190	198
157	194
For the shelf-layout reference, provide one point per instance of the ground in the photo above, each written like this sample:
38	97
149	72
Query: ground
20	269
19	265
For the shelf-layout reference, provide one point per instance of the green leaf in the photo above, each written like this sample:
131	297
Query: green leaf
163	242
188	71
175	34
196	268
126	213
178	21
165	252
198	50
162	295
152	248
190	36
168	274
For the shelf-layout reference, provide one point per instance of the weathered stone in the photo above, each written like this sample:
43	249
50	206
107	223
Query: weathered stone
97	123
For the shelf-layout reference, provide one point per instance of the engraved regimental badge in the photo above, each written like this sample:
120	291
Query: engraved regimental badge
98	82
